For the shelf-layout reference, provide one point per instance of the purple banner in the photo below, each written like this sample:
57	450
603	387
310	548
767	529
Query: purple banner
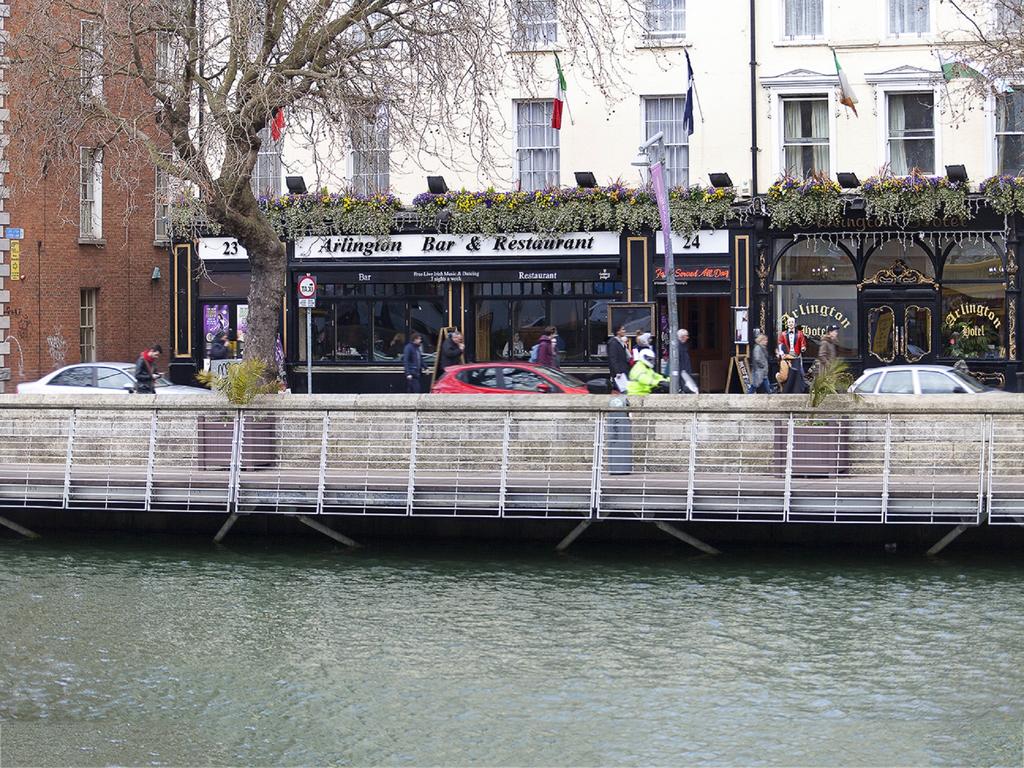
215	318
661	196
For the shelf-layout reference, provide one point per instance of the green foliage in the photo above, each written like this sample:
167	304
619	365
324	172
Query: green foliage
242	382
1004	193
832	379
916	199
963	341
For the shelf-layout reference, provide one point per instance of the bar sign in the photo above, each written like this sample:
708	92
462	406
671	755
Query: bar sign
15	260
15	233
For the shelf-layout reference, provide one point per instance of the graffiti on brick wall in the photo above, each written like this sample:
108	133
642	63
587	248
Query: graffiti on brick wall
57	346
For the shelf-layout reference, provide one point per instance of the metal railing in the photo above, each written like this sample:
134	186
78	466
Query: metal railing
566	460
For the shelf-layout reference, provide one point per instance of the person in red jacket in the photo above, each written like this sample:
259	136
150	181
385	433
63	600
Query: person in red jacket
792	345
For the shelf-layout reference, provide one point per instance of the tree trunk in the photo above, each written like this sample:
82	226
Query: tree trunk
266	293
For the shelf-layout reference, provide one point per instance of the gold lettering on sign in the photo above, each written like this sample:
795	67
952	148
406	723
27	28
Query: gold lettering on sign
15	260
819	310
974	310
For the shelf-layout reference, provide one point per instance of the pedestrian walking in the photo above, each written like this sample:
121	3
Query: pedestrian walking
452	350
686	382
618	359
146	371
412	364
643	341
791	347
827	352
643	379
547	352
219	346
759	366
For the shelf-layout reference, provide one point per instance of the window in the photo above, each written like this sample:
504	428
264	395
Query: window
813	260
1010	132
536	24
87	325
974	321
867	386
371	154
975	260
911	132
111	378
518	380
666	19
90	60
891	251
162	204
266	176
803	18
480	377
168	61
79	376
90	214
665	114
909	17
897	383
805	136
935	383
537	155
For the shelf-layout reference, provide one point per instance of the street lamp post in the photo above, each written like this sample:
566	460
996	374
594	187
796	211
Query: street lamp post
652	156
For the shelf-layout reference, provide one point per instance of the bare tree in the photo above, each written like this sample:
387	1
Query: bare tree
986	49
190	86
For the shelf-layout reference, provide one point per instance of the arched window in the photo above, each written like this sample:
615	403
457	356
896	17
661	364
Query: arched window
815	261
975	260
891	251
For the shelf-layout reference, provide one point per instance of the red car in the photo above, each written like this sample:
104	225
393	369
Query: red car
508	378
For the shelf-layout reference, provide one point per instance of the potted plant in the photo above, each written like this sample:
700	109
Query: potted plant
820	447
241	383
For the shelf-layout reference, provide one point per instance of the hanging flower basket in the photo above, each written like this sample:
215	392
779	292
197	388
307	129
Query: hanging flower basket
812	202
916	199
1004	193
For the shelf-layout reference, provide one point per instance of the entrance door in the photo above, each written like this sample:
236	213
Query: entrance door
900	330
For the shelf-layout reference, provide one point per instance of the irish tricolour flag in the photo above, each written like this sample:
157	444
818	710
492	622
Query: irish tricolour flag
846	95
556	107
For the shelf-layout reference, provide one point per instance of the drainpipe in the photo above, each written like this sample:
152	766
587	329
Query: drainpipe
753	100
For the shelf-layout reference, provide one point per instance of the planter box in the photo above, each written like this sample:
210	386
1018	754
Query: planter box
216	442
819	450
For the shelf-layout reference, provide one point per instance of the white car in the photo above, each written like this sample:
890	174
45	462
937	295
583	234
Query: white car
917	380
99	379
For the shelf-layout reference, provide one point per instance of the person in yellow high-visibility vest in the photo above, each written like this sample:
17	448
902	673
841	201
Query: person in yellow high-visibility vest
642	376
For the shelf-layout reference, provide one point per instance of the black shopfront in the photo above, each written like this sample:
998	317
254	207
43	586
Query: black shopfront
926	295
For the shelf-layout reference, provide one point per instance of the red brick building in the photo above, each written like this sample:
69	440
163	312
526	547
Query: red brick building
88	278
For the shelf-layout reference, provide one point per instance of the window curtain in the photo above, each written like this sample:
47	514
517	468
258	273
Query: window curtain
819	125
794	160
666	115
897	127
804	18
908	16
538	146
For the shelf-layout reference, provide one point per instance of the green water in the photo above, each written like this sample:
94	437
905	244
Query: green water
171	652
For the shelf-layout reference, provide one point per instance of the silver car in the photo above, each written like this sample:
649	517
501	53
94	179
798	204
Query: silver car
917	380
99	379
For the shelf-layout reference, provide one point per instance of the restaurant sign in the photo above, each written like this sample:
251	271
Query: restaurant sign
462	246
468	275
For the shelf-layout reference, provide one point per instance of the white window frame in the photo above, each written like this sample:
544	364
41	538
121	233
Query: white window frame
992	124
518	149
829	107
90	208
658	35
645	135
524	37
800	84
87	311
270	152
90	60
785	39
163	193
883	123
373	179
892	35
167	61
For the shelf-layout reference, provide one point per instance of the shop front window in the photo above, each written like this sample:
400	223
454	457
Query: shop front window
975	260
974	321
814	261
885	257
815	308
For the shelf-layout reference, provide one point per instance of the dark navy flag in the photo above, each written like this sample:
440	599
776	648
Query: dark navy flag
688	107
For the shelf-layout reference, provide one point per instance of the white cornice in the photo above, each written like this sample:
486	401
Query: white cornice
800	78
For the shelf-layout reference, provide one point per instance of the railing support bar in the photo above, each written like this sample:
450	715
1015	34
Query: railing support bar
691	475
219	537
151	460
946	540
693	541
595	467
985	489
410	486
18	528
316	525
237	436
321	484
506	430
788	492
886	464
67	457
574	534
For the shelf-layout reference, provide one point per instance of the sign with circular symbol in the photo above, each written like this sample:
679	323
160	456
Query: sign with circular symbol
307	287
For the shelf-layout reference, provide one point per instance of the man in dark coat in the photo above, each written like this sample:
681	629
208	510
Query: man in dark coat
145	370
219	346
686	381
618	359
451	352
412	364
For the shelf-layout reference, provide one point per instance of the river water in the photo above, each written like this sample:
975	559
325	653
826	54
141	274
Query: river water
175	652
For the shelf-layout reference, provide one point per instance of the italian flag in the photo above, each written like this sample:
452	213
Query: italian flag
846	96
559	102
